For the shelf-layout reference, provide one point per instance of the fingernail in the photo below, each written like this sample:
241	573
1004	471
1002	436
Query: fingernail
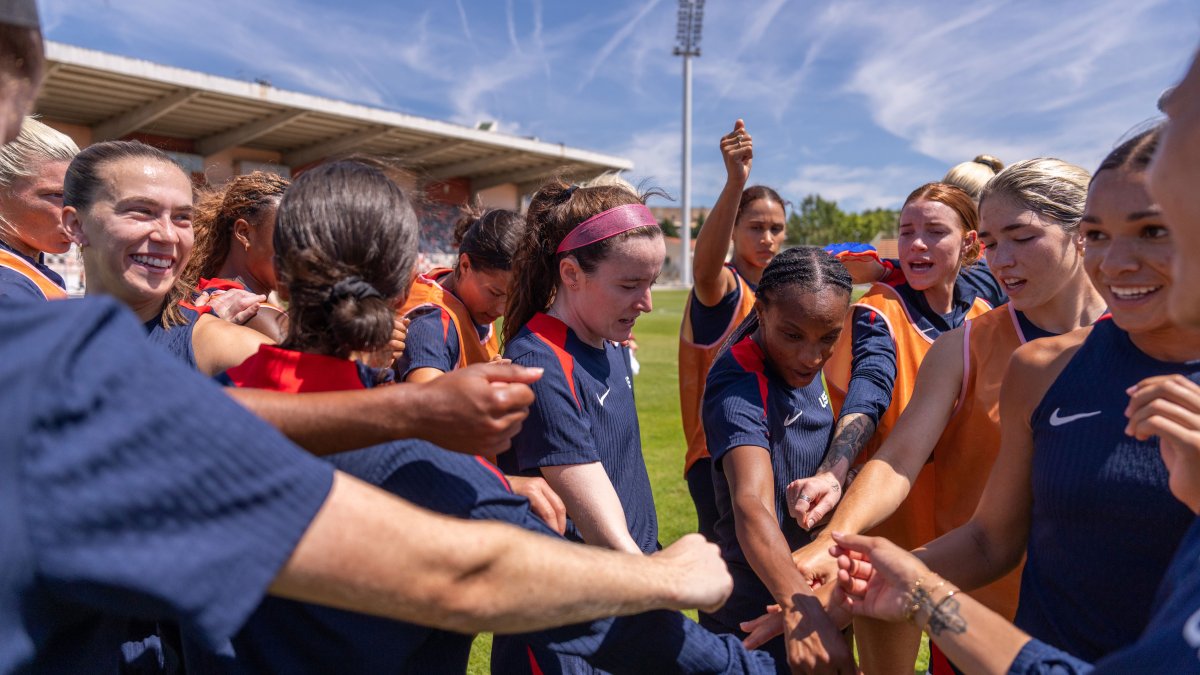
1131	390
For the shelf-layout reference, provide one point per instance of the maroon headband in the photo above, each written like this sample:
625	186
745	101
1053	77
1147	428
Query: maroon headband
607	224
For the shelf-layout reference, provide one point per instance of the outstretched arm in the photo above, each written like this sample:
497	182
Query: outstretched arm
712	281
370	552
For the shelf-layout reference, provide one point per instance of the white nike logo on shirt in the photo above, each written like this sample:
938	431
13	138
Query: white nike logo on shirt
1056	421
601	398
787	422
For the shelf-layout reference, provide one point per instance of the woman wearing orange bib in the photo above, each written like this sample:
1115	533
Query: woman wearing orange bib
32	168
1029	224
874	368
722	297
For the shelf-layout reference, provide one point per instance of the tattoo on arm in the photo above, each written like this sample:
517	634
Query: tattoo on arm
946	619
853	432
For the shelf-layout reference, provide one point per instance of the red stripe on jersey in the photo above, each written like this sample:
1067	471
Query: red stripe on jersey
533	664
751	359
445	317
495	472
871	318
219	285
554	333
295	372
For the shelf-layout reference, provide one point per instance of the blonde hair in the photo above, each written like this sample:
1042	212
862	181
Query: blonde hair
1049	187
35	145
973	175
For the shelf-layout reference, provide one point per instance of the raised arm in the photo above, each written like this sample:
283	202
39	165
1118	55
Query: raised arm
476	410
370	552
712	281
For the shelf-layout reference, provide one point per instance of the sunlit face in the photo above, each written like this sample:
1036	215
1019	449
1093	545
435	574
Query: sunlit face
137	234
484	292
933	241
798	329
1128	250
260	249
1173	178
31	211
1032	257
610	299
758	233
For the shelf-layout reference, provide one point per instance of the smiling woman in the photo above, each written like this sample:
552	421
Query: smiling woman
129	207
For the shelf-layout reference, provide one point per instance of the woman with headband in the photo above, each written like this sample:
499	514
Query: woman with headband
722	296
580	280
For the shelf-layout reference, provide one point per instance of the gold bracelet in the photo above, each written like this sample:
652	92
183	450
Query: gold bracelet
918	598
936	607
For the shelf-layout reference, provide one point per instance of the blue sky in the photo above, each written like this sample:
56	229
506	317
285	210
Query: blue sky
858	101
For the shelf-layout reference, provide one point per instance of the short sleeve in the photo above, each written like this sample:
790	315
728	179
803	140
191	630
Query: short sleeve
734	412
147	490
873	366
557	431
432	342
1039	658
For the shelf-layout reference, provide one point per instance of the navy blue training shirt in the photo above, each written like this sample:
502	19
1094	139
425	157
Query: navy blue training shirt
293	637
176	340
710	323
119	500
1101	504
432	341
584	412
747	403
17	286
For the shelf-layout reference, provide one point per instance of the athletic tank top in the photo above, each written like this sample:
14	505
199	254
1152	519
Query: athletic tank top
912	524
1104	524
427	292
694	362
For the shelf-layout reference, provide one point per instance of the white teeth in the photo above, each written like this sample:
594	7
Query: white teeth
1132	292
149	261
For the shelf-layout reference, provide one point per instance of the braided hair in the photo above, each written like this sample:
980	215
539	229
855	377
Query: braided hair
246	198
807	268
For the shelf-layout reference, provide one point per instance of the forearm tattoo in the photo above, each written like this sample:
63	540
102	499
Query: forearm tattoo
946	618
852	434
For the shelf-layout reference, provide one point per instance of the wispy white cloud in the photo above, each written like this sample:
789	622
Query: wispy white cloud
627	28
856	187
462	17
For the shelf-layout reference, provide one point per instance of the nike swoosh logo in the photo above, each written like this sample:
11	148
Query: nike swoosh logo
601	398
1057	421
787	422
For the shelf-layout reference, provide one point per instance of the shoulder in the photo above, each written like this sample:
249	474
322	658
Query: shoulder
15	285
1035	365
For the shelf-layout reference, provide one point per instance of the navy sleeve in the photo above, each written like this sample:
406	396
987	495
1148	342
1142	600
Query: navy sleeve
979	278
557	432
1039	658
734	412
432	342
710	323
16	286
873	367
137	502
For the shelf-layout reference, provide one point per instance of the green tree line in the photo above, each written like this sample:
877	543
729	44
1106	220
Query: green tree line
820	221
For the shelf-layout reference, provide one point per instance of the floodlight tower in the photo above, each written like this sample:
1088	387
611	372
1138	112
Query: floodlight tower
687	45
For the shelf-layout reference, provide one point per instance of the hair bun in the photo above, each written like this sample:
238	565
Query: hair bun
990	162
352	286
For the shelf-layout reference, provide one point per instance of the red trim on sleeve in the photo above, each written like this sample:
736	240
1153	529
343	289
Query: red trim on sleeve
751	359
534	668
495	472
219	285
554	333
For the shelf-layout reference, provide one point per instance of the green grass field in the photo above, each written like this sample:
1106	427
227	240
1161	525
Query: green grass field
662	437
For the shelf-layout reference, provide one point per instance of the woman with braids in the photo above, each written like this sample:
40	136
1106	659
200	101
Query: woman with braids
722	296
768	420
129	207
31	184
453	311
1081	483
873	370
1029	223
234	227
346	238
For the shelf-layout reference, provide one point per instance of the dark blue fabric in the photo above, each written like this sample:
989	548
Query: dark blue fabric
118	501
290	637
596	421
1104	523
426	346
1029	329
176	340
873	365
710	323
700	486
1170	643
735	414
17	286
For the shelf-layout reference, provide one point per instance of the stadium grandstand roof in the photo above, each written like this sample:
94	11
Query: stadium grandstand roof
116	96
